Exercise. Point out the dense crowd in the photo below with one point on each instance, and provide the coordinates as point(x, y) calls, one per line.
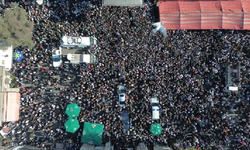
point(186, 71)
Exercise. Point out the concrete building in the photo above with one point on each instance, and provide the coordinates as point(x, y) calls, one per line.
point(11, 105)
point(9, 99)
point(6, 56)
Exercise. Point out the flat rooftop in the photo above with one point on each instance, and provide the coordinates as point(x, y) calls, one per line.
point(11, 106)
point(6, 56)
point(77, 50)
point(76, 58)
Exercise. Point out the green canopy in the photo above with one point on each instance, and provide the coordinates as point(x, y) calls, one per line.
point(72, 125)
point(92, 133)
point(73, 110)
point(156, 129)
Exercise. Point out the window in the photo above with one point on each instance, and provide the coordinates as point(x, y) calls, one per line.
point(92, 41)
point(122, 103)
point(56, 58)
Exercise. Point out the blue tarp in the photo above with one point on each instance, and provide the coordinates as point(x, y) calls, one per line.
point(125, 120)
point(18, 55)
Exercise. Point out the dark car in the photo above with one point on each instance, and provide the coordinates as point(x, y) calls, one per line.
point(125, 120)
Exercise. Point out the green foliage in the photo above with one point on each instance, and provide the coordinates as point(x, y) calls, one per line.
point(15, 29)
point(14, 83)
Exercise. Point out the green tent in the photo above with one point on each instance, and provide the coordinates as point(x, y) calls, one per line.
point(92, 133)
point(72, 125)
point(73, 110)
point(156, 129)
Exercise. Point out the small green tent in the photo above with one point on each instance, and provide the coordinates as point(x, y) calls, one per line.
point(73, 110)
point(92, 133)
point(155, 129)
point(72, 125)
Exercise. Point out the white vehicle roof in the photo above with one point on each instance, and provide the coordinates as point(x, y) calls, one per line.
point(233, 88)
point(57, 63)
point(78, 58)
point(155, 112)
point(68, 40)
point(86, 58)
point(122, 94)
point(86, 40)
point(121, 87)
point(122, 97)
point(56, 51)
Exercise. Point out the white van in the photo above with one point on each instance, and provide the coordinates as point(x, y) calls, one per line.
point(56, 57)
point(82, 58)
point(155, 112)
point(155, 108)
point(121, 90)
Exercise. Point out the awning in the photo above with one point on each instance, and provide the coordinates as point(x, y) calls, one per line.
point(73, 110)
point(194, 14)
point(122, 2)
point(72, 125)
point(92, 133)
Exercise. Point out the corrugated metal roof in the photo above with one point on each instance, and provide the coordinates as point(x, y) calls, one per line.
point(193, 14)
point(11, 106)
point(122, 2)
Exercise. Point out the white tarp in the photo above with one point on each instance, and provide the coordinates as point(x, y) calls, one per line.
point(122, 2)
point(39, 2)
point(159, 27)
point(86, 58)
point(233, 88)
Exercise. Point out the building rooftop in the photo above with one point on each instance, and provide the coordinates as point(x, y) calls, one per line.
point(10, 100)
point(11, 106)
point(6, 56)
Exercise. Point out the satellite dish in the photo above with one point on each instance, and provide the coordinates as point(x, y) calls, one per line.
point(69, 56)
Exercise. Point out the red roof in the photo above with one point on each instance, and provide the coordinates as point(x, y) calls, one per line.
point(203, 14)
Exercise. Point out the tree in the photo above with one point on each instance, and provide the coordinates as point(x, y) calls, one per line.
point(15, 28)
